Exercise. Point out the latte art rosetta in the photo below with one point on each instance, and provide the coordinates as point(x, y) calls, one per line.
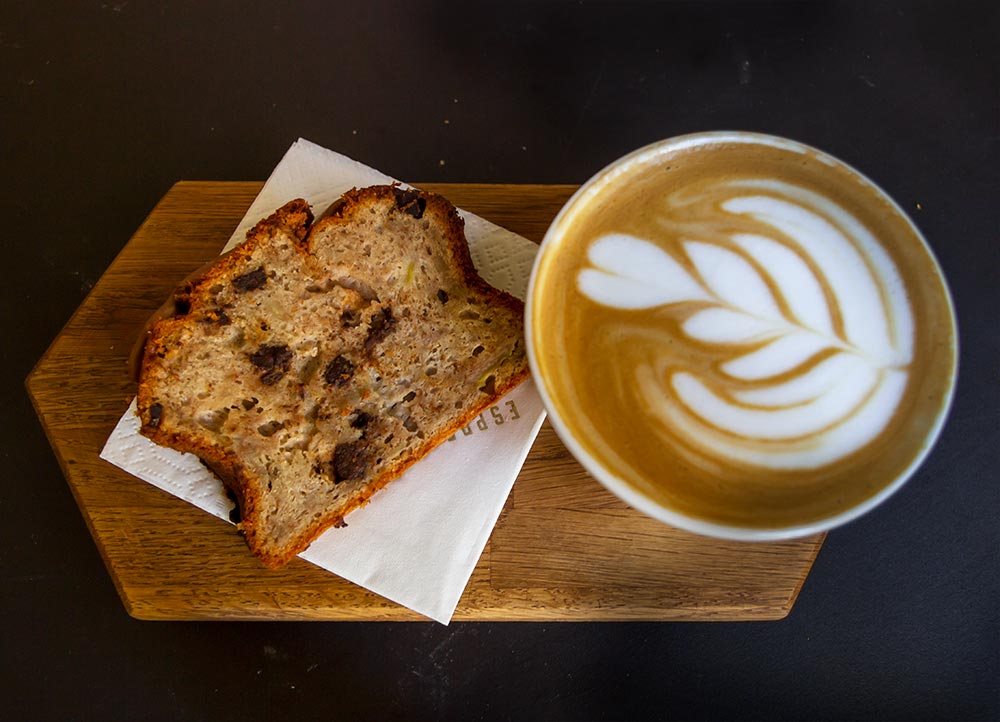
point(802, 310)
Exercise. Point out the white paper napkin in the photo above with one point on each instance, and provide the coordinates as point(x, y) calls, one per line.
point(419, 539)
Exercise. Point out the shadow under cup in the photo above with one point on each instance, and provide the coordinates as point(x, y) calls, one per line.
point(741, 336)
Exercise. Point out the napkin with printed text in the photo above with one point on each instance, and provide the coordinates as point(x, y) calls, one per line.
point(419, 539)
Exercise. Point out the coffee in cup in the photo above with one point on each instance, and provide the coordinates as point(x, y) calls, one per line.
point(741, 335)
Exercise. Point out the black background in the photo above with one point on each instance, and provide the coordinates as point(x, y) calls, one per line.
point(105, 105)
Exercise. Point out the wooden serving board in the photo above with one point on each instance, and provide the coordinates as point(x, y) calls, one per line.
point(563, 548)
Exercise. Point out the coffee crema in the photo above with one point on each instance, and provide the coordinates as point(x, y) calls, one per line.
point(744, 331)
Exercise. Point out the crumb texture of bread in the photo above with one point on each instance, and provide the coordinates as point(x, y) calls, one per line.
point(318, 360)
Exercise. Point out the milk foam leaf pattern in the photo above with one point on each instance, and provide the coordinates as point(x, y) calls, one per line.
point(847, 273)
point(632, 273)
point(806, 386)
point(750, 312)
point(777, 422)
point(724, 325)
point(811, 326)
point(733, 280)
point(785, 353)
point(795, 281)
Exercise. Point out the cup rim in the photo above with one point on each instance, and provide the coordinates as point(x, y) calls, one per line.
point(621, 488)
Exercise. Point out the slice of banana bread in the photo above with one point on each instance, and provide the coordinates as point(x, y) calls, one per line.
point(315, 362)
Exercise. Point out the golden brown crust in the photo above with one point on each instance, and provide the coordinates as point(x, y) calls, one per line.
point(351, 202)
point(305, 539)
point(193, 296)
point(294, 215)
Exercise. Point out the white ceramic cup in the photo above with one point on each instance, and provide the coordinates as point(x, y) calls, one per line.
point(558, 233)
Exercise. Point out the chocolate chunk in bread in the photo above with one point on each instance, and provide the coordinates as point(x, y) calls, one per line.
point(317, 361)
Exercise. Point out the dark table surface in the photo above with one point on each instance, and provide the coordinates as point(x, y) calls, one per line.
point(104, 105)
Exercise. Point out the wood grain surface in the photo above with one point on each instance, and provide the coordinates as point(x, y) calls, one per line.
point(563, 548)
